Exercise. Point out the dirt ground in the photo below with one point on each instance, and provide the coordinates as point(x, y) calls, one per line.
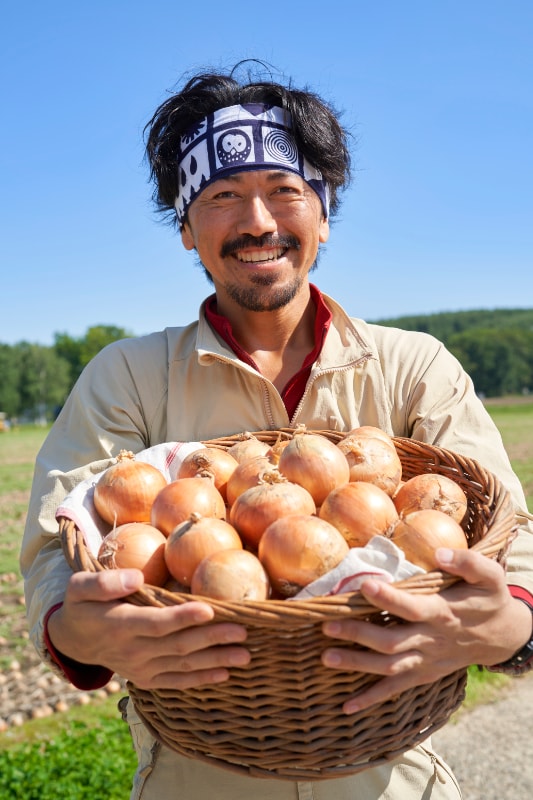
point(28, 689)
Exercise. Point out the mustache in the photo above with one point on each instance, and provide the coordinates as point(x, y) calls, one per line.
point(242, 242)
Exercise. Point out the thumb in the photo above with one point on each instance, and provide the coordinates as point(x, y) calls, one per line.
point(474, 568)
point(104, 586)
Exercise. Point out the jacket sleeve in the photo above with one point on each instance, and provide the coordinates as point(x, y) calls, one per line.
point(103, 415)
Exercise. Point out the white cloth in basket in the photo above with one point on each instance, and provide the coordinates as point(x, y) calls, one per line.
point(78, 506)
point(379, 559)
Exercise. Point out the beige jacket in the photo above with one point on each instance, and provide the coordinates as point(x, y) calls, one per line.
point(184, 384)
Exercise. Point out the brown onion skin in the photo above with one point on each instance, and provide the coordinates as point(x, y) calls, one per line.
point(191, 541)
point(372, 431)
point(182, 497)
point(247, 474)
point(138, 545)
point(248, 447)
point(231, 575)
point(420, 533)
point(254, 510)
point(126, 490)
point(299, 549)
point(431, 490)
point(360, 511)
point(277, 449)
point(314, 462)
point(216, 461)
point(372, 459)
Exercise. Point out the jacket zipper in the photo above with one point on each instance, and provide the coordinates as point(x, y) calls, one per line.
point(322, 372)
point(268, 384)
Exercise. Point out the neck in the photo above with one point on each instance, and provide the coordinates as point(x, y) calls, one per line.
point(277, 341)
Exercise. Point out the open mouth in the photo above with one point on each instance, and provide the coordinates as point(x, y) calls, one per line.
point(261, 256)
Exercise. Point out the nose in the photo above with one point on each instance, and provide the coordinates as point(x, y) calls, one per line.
point(256, 218)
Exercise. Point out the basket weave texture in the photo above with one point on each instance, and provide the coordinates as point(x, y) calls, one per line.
point(281, 716)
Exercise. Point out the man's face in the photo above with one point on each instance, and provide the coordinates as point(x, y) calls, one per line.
point(257, 234)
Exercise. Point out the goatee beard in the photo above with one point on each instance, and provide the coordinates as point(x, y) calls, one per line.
point(255, 299)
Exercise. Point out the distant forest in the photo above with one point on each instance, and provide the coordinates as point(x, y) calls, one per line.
point(494, 346)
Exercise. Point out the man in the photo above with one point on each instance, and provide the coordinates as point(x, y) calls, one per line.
point(252, 173)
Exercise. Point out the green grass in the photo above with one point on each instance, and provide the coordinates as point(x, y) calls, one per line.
point(18, 449)
point(515, 423)
point(82, 755)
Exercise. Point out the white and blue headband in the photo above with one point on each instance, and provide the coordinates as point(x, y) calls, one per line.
point(243, 137)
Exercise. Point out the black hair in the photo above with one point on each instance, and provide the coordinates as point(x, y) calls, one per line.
point(316, 128)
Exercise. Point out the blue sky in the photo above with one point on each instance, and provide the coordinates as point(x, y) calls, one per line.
point(438, 94)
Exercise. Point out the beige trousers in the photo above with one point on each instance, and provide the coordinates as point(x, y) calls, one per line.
point(420, 774)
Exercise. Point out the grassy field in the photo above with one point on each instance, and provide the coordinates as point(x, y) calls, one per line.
point(515, 422)
point(21, 748)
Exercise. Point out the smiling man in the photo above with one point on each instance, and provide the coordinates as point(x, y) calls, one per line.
point(251, 173)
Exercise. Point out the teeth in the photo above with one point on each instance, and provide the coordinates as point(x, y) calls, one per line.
point(261, 255)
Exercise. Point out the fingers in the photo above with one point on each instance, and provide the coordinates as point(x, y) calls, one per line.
point(172, 646)
point(474, 568)
point(88, 592)
point(210, 665)
point(437, 633)
point(408, 606)
point(184, 657)
point(105, 586)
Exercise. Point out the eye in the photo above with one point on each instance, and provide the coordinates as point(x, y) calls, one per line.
point(223, 194)
point(286, 189)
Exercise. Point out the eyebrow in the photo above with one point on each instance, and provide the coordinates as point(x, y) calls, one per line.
point(273, 175)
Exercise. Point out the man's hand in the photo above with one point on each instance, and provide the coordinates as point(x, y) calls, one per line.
point(476, 621)
point(175, 647)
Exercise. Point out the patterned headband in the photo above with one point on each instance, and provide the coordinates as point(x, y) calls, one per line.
point(244, 137)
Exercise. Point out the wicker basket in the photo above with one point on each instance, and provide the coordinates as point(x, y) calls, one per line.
point(281, 716)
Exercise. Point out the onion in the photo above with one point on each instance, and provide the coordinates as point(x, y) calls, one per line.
point(275, 496)
point(212, 460)
point(372, 431)
point(372, 459)
point(139, 545)
point(231, 575)
point(180, 498)
point(431, 490)
point(193, 540)
point(314, 462)
point(297, 550)
point(126, 490)
point(359, 510)
point(420, 533)
point(247, 447)
point(246, 475)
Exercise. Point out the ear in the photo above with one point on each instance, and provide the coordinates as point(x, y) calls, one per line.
point(187, 238)
point(323, 231)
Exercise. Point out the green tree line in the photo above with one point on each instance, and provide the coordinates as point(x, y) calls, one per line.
point(35, 380)
point(494, 346)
